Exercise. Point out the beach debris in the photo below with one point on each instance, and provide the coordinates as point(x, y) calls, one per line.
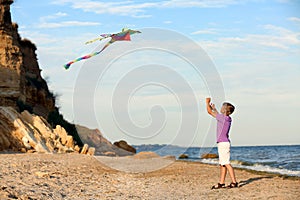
point(124, 35)
point(183, 156)
point(209, 155)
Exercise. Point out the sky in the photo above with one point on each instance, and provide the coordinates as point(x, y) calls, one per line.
point(152, 89)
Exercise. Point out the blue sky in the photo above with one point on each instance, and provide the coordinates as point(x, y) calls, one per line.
point(254, 45)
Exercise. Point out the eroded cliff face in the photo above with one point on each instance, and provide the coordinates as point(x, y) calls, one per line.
point(27, 132)
point(21, 84)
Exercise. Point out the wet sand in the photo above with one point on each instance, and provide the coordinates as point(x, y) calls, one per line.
point(74, 176)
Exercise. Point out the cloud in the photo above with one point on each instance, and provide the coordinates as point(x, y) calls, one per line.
point(199, 4)
point(205, 31)
point(168, 22)
point(281, 37)
point(294, 19)
point(284, 1)
point(53, 16)
point(274, 38)
point(135, 9)
point(118, 8)
point(66, 24)
point(44, 21)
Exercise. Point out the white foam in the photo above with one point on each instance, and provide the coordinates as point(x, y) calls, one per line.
point(256, 167)
point(264, 168)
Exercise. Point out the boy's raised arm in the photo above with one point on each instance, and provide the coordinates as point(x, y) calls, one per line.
point(211, 109)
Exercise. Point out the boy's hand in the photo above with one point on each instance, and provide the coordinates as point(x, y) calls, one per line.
point(213, 107)
point(208, 99)
point(210, 107)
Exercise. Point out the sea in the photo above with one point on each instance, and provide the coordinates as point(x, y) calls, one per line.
point(283, 159)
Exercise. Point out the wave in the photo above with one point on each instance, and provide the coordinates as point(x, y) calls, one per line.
point(283, 159)
point(255, 167)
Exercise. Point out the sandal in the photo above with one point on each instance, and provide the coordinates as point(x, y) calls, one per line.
point(233, 185)
point(218, 186)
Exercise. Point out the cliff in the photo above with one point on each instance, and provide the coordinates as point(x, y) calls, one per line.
point(21, 84)
point(27, 132)
point(29, 119)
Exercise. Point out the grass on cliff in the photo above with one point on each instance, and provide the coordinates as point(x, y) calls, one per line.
point(23, 106)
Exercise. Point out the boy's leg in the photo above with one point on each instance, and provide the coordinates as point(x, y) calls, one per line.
point(231, 172)
point(223, 172)
point(221, 184)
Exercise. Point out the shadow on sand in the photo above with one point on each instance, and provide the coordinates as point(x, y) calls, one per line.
point(250, 180)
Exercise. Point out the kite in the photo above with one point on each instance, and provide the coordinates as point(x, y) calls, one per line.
point(123, 35)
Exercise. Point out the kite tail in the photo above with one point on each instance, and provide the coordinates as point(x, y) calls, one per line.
point(67, 66)
point(94, 40)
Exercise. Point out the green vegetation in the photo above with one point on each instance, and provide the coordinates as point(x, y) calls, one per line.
point(55, 118)
point(23, 106)
point(35, 82)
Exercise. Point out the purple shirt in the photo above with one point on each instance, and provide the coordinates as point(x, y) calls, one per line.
point(223, 127)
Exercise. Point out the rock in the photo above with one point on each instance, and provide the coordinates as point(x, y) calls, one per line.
point(146, 155)
point(41, 148)
point(23, 150)
point(70, 150)
point(94, 138)
point(61, 148)
point(50, 144)
point(41, 174)
point(123, 145)
point(209, 155)
point(61, 132)
point(26, 142)
point(183, 156)
point(70, 141)
point(84, 149)
point(109, 153)
point(4, 141)
point(169, 157)
point(30, 133)
point(77, 148)
point(31, 151)
point(91, 151)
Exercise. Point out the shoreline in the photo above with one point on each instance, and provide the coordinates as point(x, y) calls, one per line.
point(258, 172)
point(77, 176)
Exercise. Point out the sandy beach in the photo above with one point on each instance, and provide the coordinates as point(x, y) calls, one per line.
point(75, 176)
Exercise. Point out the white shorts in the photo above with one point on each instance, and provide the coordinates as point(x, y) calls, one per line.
point(224, 153)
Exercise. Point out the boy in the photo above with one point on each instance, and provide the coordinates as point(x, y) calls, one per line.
point(223, 142)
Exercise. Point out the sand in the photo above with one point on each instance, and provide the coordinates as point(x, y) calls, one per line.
point(74, 176)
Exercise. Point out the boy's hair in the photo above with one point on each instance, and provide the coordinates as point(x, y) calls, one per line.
point(229, 107)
